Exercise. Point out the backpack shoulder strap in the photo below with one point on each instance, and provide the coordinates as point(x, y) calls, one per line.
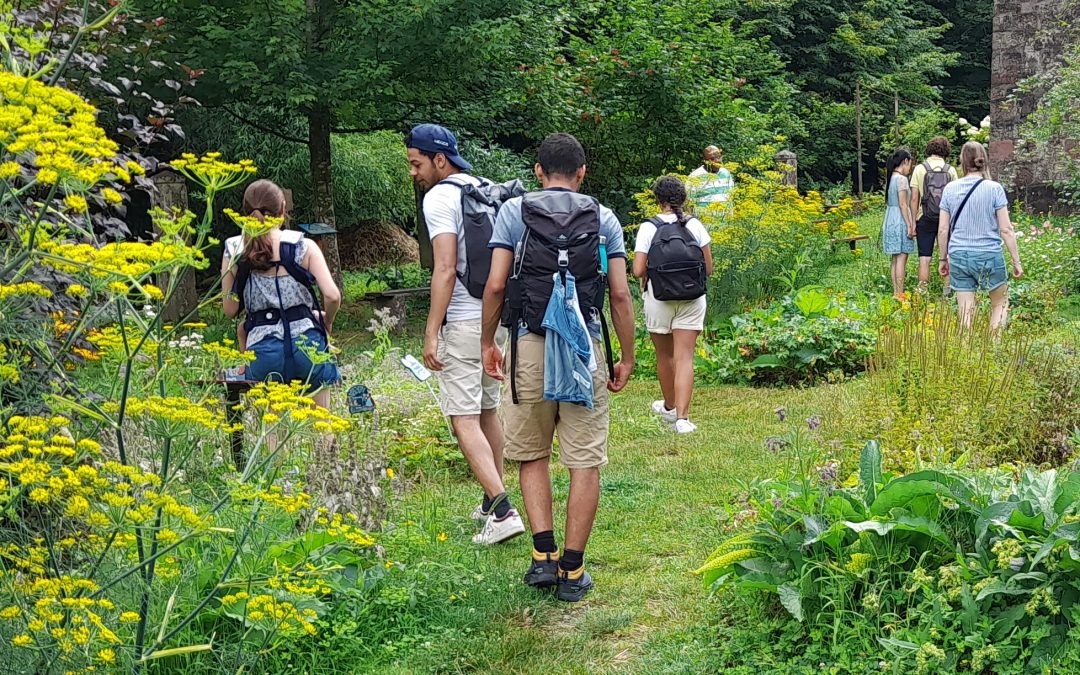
point(240, 280)
point(302, 276)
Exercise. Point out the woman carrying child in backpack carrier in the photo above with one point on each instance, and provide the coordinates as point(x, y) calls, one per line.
point(673, 258)
point(272, 276)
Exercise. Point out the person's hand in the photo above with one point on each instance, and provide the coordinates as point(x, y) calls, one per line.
point(943, 267)
point(1018, 271)
point(431, 352)
point(911, 232)
point(622, 376)
point(493, 361)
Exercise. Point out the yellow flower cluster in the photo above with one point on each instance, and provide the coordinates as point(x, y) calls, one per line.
point(211, 172)
point(57, 131)
point(253, 227)
point(275, 496)
point(271, 614)
point(171, 410)
point(109, 340)
point(226, 355)
point(300, 582)
point(175, 223)
point(127, 259)
point(288, 399)
point(336, 526)
point(26, 288)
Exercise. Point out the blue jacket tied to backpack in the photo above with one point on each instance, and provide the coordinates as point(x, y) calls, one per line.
point(569, 361)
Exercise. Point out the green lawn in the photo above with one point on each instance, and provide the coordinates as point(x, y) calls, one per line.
point(663, 501)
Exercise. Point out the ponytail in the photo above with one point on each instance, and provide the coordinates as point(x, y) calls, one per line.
point(671, 191)
point(261, 199)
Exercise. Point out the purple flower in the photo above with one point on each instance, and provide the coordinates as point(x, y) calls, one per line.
point(781, 413)
point(814, 422)
point(775, 444)
point(829, 473)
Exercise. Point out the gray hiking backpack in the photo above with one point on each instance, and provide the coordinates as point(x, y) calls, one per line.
point(933, 186)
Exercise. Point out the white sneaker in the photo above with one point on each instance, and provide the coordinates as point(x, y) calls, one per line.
point(478, 513)
point(685, 427)
point(666, 414)
point(498, 530)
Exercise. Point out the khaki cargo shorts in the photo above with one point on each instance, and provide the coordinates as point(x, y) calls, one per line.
point(464, 388)
point(531, 424)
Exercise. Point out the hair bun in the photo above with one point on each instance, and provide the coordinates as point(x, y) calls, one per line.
point(980, 162)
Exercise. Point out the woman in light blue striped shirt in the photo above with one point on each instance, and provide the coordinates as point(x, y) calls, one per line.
point(974, 222)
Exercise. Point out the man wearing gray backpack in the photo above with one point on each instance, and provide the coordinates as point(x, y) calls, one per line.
point(459, 211)
point(928, 182)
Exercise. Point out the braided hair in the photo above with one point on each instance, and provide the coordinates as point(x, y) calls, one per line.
point(670, 191)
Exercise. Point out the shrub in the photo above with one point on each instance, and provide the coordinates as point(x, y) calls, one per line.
point(801, 339)
point(933, 571)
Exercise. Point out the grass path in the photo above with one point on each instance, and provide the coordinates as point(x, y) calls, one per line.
point(661, 506)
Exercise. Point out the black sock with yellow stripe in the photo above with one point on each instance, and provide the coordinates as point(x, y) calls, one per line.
point(572, 563)
point(544, 542)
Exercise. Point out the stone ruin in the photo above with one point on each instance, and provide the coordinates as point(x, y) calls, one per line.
point(1030, 38)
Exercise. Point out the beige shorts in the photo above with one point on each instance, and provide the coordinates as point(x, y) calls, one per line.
point(464, 387)
point(664, 316)
point(531, 424)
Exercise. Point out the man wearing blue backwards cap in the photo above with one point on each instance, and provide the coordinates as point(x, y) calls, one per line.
point(452, 337)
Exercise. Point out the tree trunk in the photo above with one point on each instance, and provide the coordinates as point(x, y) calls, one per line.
point(320, 18)
point(423, 237)
point(322, 184)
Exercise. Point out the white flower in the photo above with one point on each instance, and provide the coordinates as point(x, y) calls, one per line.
point(962, 122)
point(985, 124)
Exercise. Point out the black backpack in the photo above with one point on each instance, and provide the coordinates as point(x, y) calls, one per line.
point(562, 233)
point(933, 186)
point(676, 263)
point(479, 206)
point(285, 315)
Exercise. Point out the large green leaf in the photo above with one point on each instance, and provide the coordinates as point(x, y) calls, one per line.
point(1068, 493)
point(870, 471)
point(766, 361)
point(811, 300)
point(1040, 489)
point(791, 599)
point(902, 492)
point(999, 587)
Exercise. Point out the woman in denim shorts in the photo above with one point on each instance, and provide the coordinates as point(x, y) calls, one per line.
point(974, 222)
point(285, 327)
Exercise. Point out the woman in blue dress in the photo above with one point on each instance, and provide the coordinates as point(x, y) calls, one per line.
point(898, 231)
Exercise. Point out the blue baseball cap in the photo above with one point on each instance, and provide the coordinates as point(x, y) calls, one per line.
point(435, 138)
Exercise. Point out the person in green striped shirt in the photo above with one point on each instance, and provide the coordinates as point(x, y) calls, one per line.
point(711, 184)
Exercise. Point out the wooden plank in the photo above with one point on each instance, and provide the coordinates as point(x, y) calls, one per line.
point(397, 292)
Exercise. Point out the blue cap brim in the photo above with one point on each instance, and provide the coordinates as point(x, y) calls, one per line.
point(458, 161)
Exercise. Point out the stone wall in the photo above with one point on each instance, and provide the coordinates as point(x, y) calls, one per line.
point(1030, 37)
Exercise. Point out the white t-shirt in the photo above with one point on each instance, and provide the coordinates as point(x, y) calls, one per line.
point(646, 232)
point(442, 213)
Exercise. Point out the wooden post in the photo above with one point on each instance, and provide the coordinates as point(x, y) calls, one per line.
point(790, 167)
point(171, 193)
point(858, 139)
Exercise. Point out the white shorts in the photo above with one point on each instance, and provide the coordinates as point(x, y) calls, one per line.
point(664, 316)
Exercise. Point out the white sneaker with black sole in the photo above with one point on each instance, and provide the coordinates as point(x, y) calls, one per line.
point(668, 415)
point(497, 530)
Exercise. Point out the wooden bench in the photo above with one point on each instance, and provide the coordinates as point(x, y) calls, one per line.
point(395, 298)
point(850, 241)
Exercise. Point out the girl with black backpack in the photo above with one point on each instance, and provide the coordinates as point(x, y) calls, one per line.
point(673, 258)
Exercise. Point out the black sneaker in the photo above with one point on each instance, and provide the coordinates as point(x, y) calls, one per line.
point(543, 573)
point(573, 590)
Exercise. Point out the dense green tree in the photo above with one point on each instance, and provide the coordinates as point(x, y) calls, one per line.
point(303, 71)
point(646, 86)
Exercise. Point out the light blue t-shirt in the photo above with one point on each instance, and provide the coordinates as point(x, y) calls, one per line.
point(976, 229)
point(509, 229)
